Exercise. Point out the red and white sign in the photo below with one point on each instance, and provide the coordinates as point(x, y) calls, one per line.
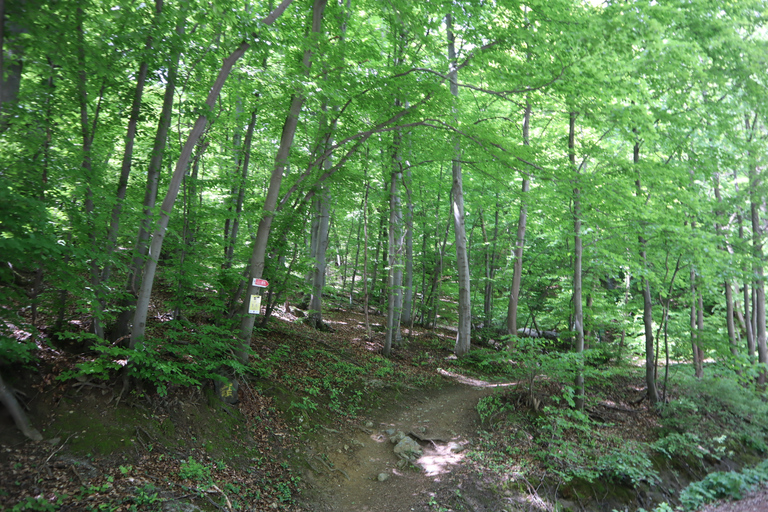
point(260, 283)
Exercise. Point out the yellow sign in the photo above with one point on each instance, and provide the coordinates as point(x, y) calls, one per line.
point(254, 307)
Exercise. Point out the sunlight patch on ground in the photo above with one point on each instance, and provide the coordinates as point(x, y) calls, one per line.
point(474, 382)
point(438, 459)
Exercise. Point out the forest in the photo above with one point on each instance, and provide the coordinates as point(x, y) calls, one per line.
point(567, 186)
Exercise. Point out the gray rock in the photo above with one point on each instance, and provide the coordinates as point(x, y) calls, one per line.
point(408, 449)
point(390, 431)
point(381, 477)
point(397, 437)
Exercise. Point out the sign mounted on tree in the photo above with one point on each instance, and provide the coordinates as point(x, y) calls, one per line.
point(254, 306)
point(260, 283)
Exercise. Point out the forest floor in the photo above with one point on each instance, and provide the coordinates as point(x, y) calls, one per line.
point(368, 476)
point(314, 435)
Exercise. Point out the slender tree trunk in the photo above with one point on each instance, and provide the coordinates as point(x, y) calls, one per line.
point(578, 313)
point(407, 316)
point(357, 260)
point(256, 263)
point(87, 132)
point(395, 247)
point(650, 362)
point(142, 303)
point(231, 239)
point(729, 311)
point(130, 139)
point(758, 285)
point(695, 331)
point(457, 193)
point(365, 256)
point(320, 205)
point(746, 319)
point(517, 269)
point(491, 270)
point(122, 325)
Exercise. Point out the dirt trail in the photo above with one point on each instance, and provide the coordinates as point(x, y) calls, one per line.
point(445, 420)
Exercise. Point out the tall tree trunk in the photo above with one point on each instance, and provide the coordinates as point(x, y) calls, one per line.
point(729, 311)
point(517, 271)
point(365, 255)
point(124, 318)
point(130, 139)
point(491, 270)
point(150, 267)
point(697, 368)
point(87, 131)
point(650, 362)
point(407, 316)
point(256, 263)
point(758, 286)
point(745, 320)
point(320, 204)
point(457, 193)
point(395, 246)
point(231, 239)
point(578, 313)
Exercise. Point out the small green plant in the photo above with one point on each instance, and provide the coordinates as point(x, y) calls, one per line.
point(194, 470)
point(146, 495)
point(490, 407)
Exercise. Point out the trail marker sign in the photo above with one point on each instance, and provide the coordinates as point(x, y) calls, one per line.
point(254, 306)
point(260, 283)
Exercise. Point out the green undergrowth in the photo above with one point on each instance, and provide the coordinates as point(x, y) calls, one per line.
point(534, 429)
point(323, 383)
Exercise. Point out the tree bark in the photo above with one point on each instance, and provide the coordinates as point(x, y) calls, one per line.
point(87, 132)
point(320, 205)
point(457, 193)
point(758, 286)
point(729, 311)
point(407, 316)
point(395, 251)
point(256, 263)
point(650, 362)
point(150, 267)
point(517, 271)
point(124, 318)
point(578, 313)
point(231, 239)
point(130, 139)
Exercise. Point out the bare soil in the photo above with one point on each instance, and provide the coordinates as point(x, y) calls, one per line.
point(344, 469)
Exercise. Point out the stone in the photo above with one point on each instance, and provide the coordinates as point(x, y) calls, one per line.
point(369, 424)
point(397, 437)
point(390, 431)
point(408, 449)
point(381, 477)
